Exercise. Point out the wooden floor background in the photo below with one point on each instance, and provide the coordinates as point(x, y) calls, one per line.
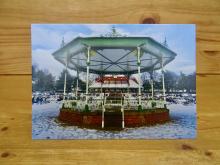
point(16, 145)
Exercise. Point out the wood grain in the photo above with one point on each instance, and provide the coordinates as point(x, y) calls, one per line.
point(16, 145)
point(15, 126)
point(15, 47)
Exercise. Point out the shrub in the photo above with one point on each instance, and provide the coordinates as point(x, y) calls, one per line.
point(139, 108)
point(153, 104)
point(74, 104)
point(86, 108)
point(165, 106)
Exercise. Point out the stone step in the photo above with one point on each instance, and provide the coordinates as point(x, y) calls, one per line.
point(113, 119)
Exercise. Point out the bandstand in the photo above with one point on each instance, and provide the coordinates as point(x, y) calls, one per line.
point(115, 98)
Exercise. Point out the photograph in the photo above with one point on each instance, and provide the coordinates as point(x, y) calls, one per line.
point(109, 82)
point(113, 81)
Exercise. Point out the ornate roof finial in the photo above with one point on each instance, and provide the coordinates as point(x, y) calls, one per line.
point(62, 43)
point(165, 42)
point(113, 33)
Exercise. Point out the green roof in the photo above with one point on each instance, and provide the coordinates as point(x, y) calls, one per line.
point(114, 55)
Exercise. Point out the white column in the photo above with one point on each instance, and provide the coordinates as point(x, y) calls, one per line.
point(77, 83)
point(64, 88)
point(87, 74)
point(128, 92)
point(162, 70)
point(151, 77)
point(128, 76)
point(101, 77)
point(139, 75)
point(152, 85)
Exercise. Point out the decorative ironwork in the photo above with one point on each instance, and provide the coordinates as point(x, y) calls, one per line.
point(113, 33)
point(62, 43)
point(165, 42)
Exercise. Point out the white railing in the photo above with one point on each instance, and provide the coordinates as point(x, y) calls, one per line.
point(70, 103)
point(151, 104)
point(128, 103)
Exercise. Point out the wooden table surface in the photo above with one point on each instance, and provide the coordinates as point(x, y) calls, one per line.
point(16, 144)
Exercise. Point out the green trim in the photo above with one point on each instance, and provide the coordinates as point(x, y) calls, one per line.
point(114, 42)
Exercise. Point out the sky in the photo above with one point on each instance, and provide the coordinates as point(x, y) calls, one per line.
point(47, 38)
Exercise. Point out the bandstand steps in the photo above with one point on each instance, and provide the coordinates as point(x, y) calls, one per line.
point(113, 119)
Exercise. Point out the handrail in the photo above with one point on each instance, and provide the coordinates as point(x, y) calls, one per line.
point(103, 116)
point(122, 113)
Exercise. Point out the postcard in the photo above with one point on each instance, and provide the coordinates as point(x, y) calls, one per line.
point(113, 81)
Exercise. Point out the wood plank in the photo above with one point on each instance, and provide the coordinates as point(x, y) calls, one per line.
point(16, 17)
point(142, 157)
point(17, 145)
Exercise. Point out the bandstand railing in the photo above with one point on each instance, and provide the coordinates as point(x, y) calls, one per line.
point(97, 103)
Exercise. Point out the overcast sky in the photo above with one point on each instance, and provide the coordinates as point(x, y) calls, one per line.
point(47, 38)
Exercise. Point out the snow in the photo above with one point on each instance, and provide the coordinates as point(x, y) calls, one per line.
point(46, 126)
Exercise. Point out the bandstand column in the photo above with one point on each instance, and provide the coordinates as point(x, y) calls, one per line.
point(128, 88)
point(139, 75)
point(152, 85)
point(77, 83)
point(101, 82)
point(87, 74)
point(64, 86)
point(162, 70)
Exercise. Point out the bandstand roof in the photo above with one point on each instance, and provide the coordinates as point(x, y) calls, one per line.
point(114, 55)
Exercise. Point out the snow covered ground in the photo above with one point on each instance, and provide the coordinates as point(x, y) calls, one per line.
point(46, 126)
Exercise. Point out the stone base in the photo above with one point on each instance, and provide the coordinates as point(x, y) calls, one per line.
point(114, 119)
